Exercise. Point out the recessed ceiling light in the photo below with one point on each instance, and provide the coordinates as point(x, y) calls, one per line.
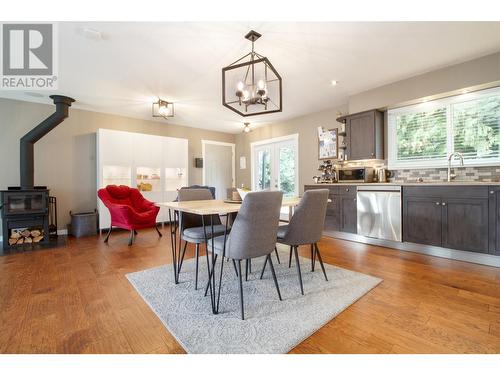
point(334, 82)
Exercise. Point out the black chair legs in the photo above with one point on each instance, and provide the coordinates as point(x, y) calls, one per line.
point(320, 260)
point(197, 263)
point(131, 239)
point(241, 290)
point(277, 255)
point(274, 275)
point(109, 232)
point(158, 231)
point(290, 258)
point(298, 268)
point(313, 254)
point(263, 268)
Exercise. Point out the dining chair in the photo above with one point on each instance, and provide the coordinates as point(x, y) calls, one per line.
point(191, 225)
point(305, 228)
point(253, 234)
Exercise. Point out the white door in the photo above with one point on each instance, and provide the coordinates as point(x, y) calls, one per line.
point(275, 166)
point(218, 167)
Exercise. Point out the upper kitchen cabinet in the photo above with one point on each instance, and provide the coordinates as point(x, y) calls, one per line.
point(364, 135)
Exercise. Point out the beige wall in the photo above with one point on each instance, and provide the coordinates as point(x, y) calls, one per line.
point(65, 159)
point(305, 126)
point(472, 73)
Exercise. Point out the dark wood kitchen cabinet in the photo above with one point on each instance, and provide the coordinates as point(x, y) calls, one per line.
point(454, 217)
point(494, 219)
point(422, 220)
point(341, 212)
point(348, 214)
point(348, 209)
point(364, 135)
point(465, 224)
point(332, 219)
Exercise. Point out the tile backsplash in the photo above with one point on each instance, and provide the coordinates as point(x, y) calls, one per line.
point(485, 174)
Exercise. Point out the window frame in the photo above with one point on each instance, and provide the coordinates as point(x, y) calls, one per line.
point(447, 102)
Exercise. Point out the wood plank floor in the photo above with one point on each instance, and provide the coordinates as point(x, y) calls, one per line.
point(76, 299)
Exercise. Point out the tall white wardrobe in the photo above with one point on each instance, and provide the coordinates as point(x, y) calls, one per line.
point(157, 165)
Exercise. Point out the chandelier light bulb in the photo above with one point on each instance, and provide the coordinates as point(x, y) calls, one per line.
point(246, 95)
point(163, 110)
point(240, 86)
point(261, 85)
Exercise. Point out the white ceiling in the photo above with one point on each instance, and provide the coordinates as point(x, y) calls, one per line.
point(135, 63)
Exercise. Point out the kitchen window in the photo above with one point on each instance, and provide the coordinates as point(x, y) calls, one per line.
point(423, 135)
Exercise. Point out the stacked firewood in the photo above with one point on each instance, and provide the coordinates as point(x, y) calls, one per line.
point(25, 236)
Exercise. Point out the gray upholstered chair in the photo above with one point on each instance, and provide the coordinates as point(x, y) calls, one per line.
point(191, 225)
point(253, 233)
point(305, 227)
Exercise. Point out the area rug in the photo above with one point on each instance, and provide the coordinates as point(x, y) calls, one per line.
point(270, 325)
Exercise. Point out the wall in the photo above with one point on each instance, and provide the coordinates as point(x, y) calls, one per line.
point(305, 126)
point(468, 74)
point(65, 159)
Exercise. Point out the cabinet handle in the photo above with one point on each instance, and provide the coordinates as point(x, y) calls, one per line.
point(437, 203)
point(492, 192)
point(444, 203)
point(346, 189)
point(354, 199)
point(373, 154)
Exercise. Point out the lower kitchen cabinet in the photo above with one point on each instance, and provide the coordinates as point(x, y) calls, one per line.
point(460, 217)
point(341, 212)
point(332, 219)
point(451, 217)
point(348, 214)
point(494, 220)
point(465, 224)
point(422, 220)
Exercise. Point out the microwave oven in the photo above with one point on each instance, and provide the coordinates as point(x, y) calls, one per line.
point(361, 174)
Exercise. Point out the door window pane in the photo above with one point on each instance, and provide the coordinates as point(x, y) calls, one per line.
point(287, 171)
point(263, 170)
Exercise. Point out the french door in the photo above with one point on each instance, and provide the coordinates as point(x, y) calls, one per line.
point(275, 165)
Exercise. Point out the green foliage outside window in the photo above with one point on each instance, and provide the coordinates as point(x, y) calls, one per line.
point(474, 125)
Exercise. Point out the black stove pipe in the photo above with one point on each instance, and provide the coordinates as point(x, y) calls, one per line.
point(27, 172)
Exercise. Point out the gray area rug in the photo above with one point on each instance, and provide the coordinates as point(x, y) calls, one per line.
point(270, 325)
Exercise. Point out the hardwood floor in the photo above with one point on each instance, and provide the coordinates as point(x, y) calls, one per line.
point(76, 299)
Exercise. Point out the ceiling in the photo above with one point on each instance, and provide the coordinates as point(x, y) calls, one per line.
point(135, 63)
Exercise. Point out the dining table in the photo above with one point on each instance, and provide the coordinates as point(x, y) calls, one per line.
point(206, 209)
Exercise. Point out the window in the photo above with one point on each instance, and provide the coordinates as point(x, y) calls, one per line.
point(423, 135)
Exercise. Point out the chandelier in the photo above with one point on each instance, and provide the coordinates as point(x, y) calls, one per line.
point(251, 86)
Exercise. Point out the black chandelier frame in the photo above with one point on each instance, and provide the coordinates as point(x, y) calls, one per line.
point(255, 58)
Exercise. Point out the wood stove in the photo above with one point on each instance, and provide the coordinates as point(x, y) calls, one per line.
point(25, 216)
point(26, 210)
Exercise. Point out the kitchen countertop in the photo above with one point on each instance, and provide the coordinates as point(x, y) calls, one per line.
point(434, 183)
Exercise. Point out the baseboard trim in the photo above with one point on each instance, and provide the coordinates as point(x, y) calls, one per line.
point(441, 252)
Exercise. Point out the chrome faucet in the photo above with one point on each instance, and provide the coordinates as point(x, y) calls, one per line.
point(451, 176)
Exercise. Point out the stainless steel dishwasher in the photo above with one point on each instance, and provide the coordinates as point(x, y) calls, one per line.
point(379, 211)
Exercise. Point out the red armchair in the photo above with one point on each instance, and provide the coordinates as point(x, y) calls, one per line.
point(129, 210)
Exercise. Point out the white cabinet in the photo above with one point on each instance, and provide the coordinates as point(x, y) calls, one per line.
point(156, 165)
